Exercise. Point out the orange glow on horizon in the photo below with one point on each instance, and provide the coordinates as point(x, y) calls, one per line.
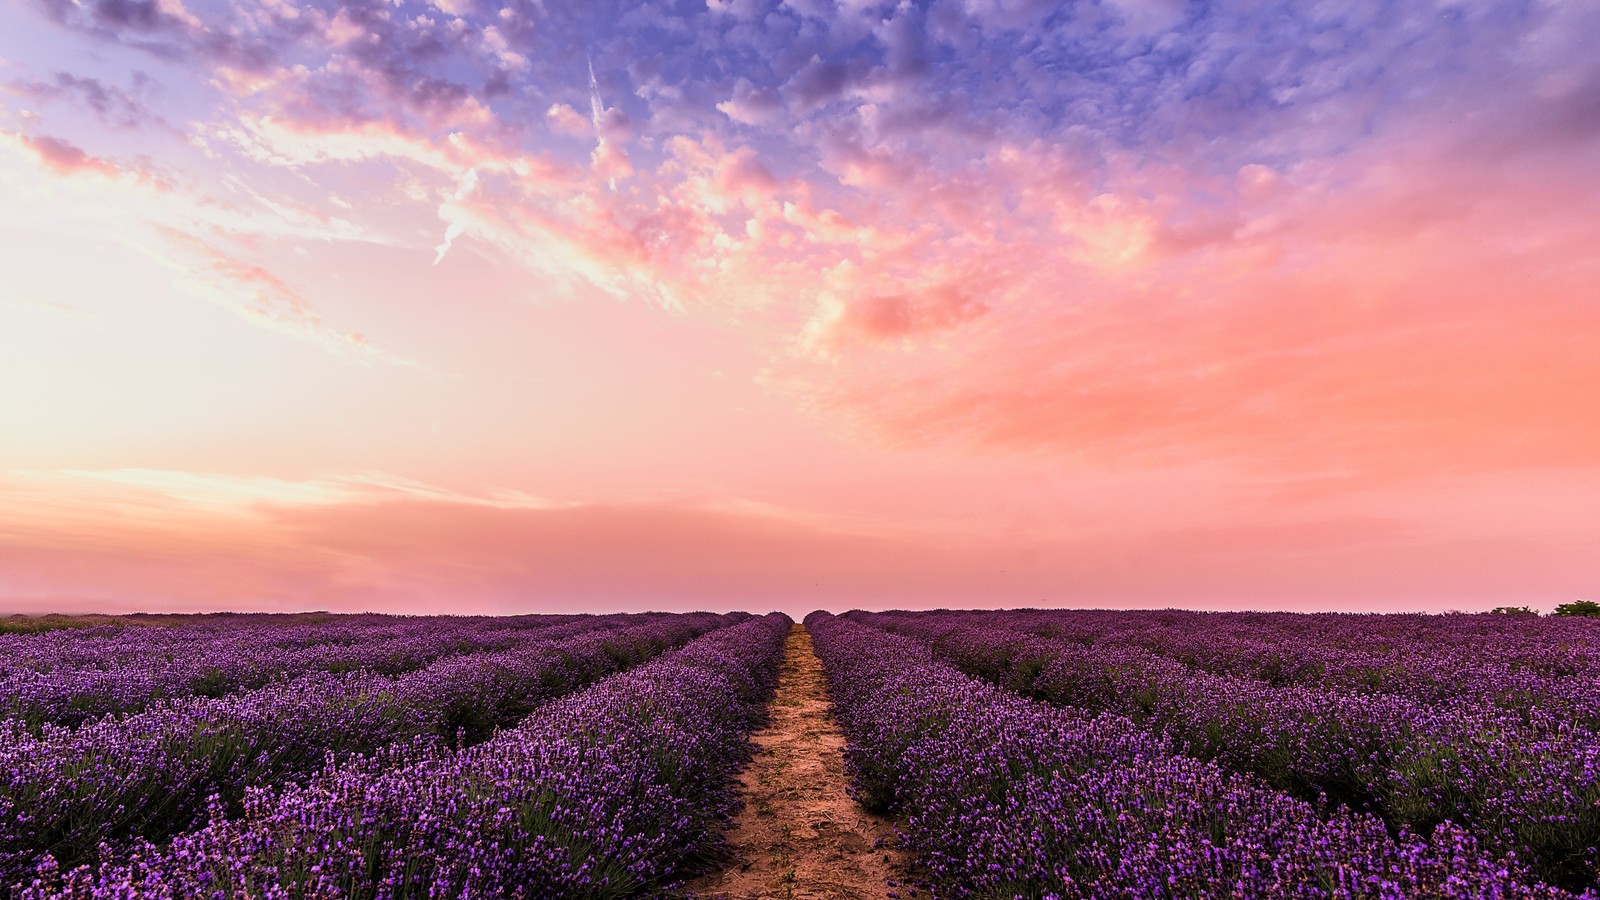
point(292, 322)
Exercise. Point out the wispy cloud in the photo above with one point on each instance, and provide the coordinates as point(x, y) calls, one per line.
point(183, 228)
point(112, 105)
point(53, 306)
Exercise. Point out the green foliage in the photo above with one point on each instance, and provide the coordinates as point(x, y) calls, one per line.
point(1585, 608)
point(1514, 611)
point(211, 683)
point(20, 624)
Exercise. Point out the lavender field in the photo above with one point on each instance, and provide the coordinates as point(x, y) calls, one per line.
point(1027, 753)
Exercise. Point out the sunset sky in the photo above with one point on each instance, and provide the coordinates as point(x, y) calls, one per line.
point(526, 305)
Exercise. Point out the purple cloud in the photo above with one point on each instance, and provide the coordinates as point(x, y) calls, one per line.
point(110, 104)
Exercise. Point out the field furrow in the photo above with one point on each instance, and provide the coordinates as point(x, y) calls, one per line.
point(799, 835)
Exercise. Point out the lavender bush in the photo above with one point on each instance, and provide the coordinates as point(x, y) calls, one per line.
point(1001, 796)
point(149, 775)
point(1522, 781)
point(70, 677)
point(620, 790)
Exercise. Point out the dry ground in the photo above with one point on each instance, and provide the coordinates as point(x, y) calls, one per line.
point(800, 836)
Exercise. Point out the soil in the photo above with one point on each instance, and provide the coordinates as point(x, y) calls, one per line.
point(800, 836)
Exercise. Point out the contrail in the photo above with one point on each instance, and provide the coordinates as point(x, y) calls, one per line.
point(596, 109)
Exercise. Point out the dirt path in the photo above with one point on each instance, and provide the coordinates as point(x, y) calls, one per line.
point(800, 836)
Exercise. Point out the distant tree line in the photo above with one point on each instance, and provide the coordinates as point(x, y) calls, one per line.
point(1586, 608)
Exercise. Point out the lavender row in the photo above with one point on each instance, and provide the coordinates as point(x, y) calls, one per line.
point(1003, 797)
point(111, 646)
point(1515, 661)
point(1522, 782)
point(149, 775)
point(78, 678)
point(620, 790)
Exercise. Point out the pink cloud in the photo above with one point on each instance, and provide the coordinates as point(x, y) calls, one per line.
point(65, 158)
point(1404, 308)
point(565, 120)
point(751, 105)
point(257, 294)
point(878, 317)
point(611, 163)
point(742, 174)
